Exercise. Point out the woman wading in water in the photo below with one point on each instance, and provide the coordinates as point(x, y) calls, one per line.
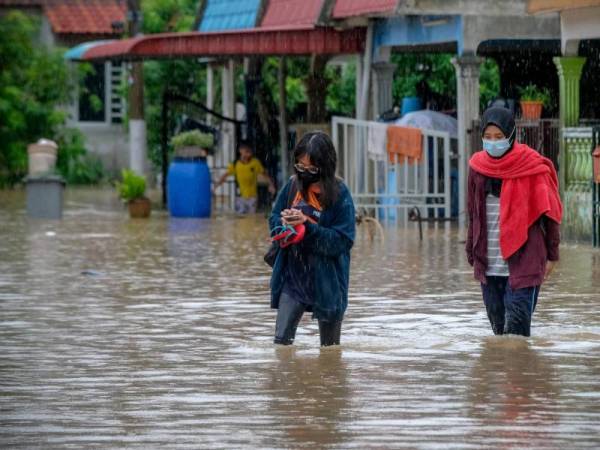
point(514, 223)
point(314, 220)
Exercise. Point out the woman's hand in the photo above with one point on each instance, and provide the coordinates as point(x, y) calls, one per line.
point(293, 217)
point(549, 268)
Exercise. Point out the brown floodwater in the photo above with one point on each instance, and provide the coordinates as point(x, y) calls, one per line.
point(118, 333)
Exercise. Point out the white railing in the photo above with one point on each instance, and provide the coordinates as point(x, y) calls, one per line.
point(388, 189)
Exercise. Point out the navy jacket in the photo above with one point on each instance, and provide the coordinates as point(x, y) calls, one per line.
point(330, 241)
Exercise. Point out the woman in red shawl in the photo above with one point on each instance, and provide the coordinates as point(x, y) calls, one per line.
point(514, 223)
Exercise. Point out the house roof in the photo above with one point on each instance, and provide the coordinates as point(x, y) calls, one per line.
point(221, 15)
point(85, 16)
point(350, 8)
point(94, 17)
point(281, 13)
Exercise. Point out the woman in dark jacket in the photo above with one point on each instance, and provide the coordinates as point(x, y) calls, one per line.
point(514, 215)
point(312, 274)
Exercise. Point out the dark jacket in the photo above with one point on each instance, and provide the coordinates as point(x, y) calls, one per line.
point(330, 241)
point(528, 264)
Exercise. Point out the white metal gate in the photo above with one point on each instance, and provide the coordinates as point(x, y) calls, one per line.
point(389, 189)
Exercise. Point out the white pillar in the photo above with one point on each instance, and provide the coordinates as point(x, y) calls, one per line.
point(383, 80)
point(359, 74)
point(363, 110)
point(467, 105)
point(138, 161)
point(228, 109)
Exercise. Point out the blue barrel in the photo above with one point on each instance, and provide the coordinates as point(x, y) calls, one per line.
point(188, 188)
point(410, 104)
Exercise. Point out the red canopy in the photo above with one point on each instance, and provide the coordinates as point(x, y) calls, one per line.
point(256, 41)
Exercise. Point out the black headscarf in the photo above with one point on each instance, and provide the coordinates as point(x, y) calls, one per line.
point(501, 117)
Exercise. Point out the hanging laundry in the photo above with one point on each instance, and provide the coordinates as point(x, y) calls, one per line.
point(376, 140)
point(406, 142)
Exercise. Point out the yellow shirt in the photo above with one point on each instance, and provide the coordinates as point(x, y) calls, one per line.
point(246, 175)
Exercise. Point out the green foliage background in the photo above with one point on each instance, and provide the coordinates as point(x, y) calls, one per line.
point(34, 84)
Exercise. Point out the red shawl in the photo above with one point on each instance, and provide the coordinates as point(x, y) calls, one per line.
point(529, 189)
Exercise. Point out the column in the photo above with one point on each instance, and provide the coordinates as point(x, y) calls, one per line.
point(467, 105)
point(569, 73)
point(383, 78)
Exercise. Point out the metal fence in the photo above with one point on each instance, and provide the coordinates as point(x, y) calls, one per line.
point(542, 135)
point(389, 189)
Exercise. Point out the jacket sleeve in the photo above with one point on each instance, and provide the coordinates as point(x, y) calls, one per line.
point(280, 205)
point(470, 213)
point(338, 238)
point(552, 238)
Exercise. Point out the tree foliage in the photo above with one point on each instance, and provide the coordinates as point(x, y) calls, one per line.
point(34, 87)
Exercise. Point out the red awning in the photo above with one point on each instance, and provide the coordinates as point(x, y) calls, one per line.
point(255, 41)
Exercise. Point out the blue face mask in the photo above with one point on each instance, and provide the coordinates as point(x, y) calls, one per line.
point(497, 148)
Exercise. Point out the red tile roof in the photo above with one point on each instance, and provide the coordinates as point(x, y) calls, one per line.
point(284, 13)
point(84, 16)
point(350, 8)
point(77, 16)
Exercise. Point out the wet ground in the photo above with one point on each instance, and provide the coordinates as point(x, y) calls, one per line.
point(157, 334)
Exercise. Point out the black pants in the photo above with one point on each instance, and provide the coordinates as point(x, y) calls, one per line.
point(290, 312)
point(509, 310)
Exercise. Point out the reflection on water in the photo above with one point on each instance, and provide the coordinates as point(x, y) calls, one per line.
point(143, 334)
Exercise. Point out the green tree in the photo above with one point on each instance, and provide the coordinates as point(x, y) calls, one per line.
point(34, 87)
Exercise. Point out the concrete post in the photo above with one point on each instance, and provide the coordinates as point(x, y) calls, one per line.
point(569, 73)
point(383, 77)
point(467, 104)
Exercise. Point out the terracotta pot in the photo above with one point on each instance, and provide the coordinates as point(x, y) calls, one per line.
point(531, 110)
point(139, 208)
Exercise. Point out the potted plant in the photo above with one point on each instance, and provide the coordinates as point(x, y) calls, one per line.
point(533, 99)
point(132, 190)
point(193, 144)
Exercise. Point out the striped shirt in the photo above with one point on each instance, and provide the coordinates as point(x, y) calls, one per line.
point(497, 267)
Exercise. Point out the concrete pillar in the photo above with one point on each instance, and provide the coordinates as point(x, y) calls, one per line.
point(359, 74)
point(467, 105)
point(383, 78)
point(228, 109)
point(569, 74)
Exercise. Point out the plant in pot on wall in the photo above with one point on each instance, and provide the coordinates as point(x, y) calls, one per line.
point(533, 99)
point(132, 190)
point(193, 144)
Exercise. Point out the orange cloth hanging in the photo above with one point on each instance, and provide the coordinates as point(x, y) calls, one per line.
point(406, 142)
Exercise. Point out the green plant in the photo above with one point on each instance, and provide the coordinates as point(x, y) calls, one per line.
point(194, 138)
point(531, 93)
point(132, 187)
point(74, 163)
point(34, 83)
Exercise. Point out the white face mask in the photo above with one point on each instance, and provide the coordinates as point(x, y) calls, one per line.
point(497, 148)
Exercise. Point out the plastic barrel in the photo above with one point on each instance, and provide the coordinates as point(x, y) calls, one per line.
point(410, 104)
point(188, 188)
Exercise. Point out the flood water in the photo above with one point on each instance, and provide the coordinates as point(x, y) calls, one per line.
point(158, 334)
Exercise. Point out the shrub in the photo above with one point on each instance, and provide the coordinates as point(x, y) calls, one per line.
point(132, 187)
point(194, 138)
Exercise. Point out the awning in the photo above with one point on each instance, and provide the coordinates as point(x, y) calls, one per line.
point(76, 53)
point(255, 41)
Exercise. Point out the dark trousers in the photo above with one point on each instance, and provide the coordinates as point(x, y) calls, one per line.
point(509, 310)
point(290, 312)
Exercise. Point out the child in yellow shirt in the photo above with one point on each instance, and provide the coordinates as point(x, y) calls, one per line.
point(247, 170)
